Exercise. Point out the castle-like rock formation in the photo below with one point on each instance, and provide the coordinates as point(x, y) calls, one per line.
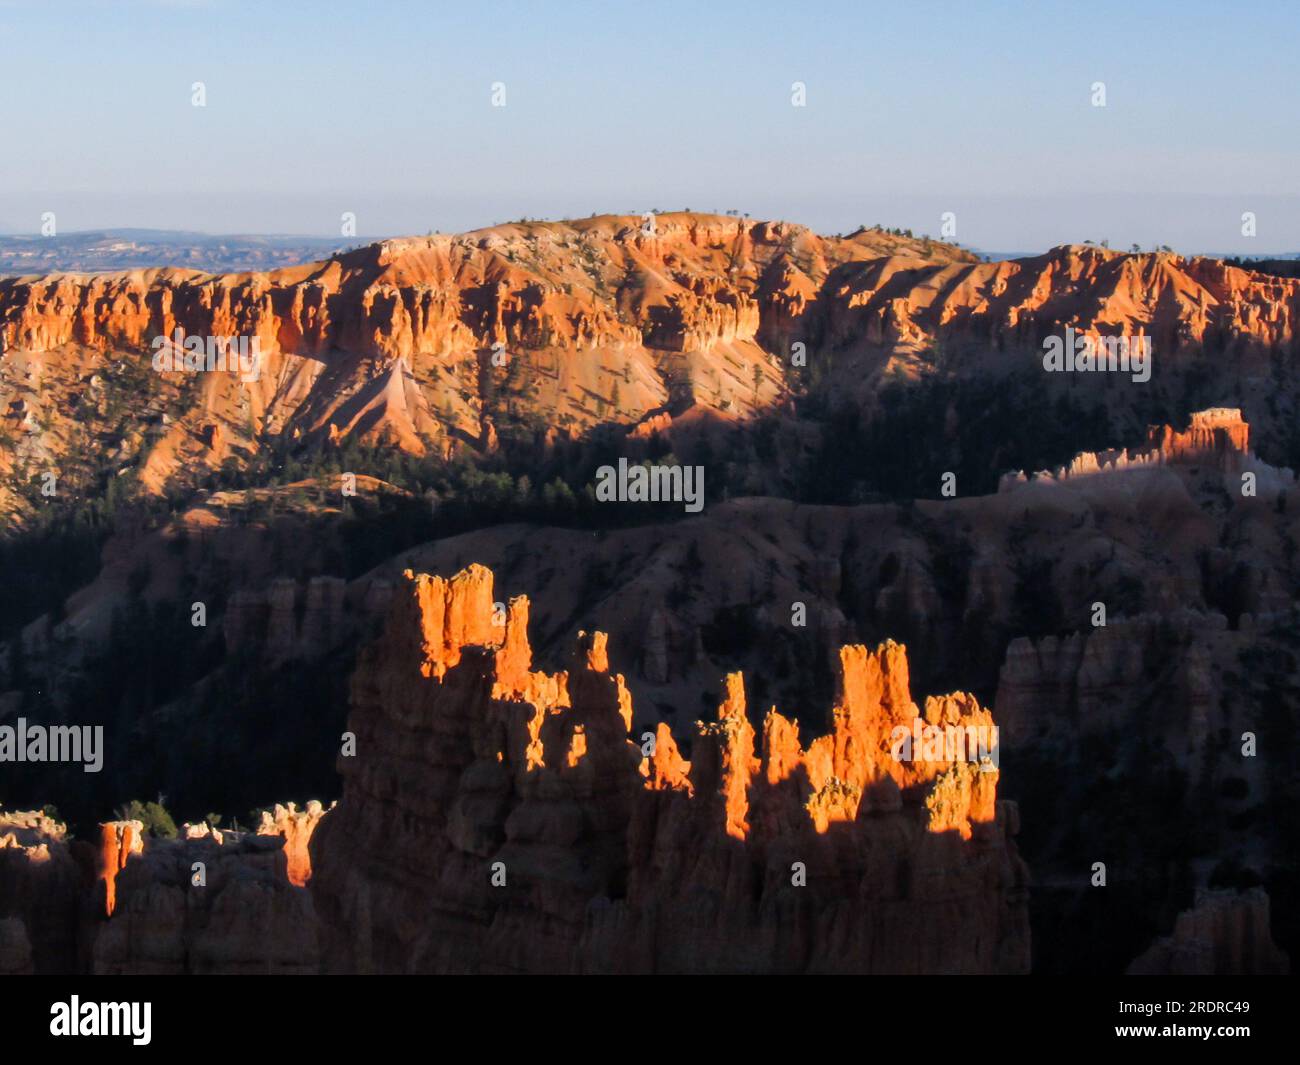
point(1217, 439)
point(128, 902)
point(41, 886)
point(499, 819)
point(208, 902)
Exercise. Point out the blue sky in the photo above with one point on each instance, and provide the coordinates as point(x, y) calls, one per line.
point(913, 109)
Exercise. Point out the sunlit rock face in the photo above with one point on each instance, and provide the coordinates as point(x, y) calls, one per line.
point(129, 902)
point(500, 819)
point(428, 345)
point(1216, 439)
point(210, 901)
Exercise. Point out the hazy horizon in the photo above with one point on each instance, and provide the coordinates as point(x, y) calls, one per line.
point(1003, 251)
point(387, 113)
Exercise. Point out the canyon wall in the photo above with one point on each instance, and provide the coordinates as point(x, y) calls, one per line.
point(1059, 689)
point(42, 882)
point(1216, 439)
point(695, 282)
point(1224, 934)
point(206, 902)
point(497, 819)
point(429, 345)
point(210, 901)
point(287, 621)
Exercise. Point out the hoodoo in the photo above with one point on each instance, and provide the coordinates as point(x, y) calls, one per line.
point(498, 819)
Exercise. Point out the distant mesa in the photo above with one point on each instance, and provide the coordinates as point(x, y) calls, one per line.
point(431, 345)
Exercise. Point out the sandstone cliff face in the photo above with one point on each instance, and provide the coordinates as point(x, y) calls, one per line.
point(211, 902)
point(696, 282)
point(422, 297)
point(1182, 305)
point(295, 828)
point(1096, 679)
point(402, 343)
point(429, 344)
point(1217, 439)
point(1224, 934)
point(132, 903)
point(286, 621)
point(42, 887)
point(1099, 680)
point(500, 819)
point(1217, 431)
point(119, 842)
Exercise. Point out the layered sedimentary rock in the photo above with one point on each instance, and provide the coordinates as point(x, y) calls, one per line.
point(1216, 431)
point(496, 818)
point(1224, 934)
point(1152, 669)
point(1217, 438)
point(1176, 301)
point(402, 342)
point(420, 296)
point(287, 621)
point(429, 345)
point(695, 282)
point(209, 902)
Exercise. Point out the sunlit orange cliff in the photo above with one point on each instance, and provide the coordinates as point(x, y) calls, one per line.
point(499, 819)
